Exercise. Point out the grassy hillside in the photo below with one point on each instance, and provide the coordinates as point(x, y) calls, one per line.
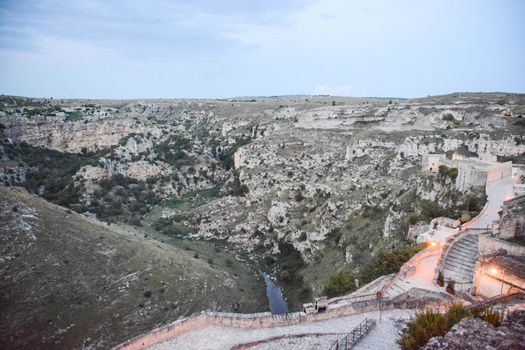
point(70, 282)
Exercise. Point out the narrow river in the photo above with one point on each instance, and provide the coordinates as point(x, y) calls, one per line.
point(275, 297)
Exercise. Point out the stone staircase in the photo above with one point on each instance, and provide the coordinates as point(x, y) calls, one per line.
point(458, 261)
point(396, 288)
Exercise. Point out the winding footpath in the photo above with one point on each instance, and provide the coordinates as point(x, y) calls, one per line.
point(497, 193)
point(382, 336)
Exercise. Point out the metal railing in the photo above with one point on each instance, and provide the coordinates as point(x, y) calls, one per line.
point(349, 340)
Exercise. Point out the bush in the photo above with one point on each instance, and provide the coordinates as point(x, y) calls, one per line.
point(451, 284)
point(448, 117)
point(298, 197)
point(384, 263)
point(428, 324)
point(236, 188)
point(450, 172)
point(226, 155)
point(441, 277)
point(339, 283)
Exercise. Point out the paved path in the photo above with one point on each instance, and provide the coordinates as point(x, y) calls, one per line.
point(424, 275)
point(497, 193)
point(383, 336)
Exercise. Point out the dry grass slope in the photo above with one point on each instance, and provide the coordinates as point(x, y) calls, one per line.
point(73, 282)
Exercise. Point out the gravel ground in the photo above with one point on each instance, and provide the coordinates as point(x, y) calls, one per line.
point(383, 336)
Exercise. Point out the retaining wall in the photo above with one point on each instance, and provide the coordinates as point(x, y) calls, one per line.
point(267, 320)
point(488, 245)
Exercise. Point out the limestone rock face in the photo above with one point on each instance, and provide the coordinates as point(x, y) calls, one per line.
point(474, 334)
point(307, 166)
point(277, 214)
point(57, 134)
point(138, 170)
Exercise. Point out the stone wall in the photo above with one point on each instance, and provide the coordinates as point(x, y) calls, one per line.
point(488, 245)
point(490, 281)
point(469, 176)
point(499, 171)
point(410, 300)
point(471, 171)
point(431, 162)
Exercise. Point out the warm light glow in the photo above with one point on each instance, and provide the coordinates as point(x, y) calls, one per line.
point(433, 244)
point(494, 270)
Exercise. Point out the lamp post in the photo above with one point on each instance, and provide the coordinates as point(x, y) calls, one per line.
point(502, 278)
point(495, 271)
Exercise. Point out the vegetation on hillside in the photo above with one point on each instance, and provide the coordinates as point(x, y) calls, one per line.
point(452, 173)
point(384, 263)
point(50, 173)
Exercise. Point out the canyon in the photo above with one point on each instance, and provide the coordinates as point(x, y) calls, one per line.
point(301, 188)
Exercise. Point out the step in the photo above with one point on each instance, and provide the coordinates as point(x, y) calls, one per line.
point(459, 276)
point(465, 252)
point(470, 239)
point(460, 261)
point(394, 290)
point(458, 265)
point(468, 243)
point(458, 270)
point(465, 246)
point(461, 257)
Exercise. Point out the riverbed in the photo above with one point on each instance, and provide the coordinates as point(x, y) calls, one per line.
point(275, 297)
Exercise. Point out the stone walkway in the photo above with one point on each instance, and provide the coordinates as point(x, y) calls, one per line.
point(383, 336)
point(497, 193)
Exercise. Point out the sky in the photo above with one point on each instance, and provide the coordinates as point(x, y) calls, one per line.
point(216, 49)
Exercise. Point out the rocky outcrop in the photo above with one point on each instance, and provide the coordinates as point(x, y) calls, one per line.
point(474, 334)
point(60, 135)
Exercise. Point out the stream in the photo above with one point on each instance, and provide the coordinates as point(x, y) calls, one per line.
point(275, 297)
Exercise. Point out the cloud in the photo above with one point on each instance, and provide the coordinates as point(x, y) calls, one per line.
point(340, 90)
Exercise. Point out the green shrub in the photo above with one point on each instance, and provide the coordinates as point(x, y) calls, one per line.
point(441, 277)
point(428, 324)
point(450, 172)
point(451, 284)
point(384, 263)
point(340, 283)
point(226, 155)
point(236, 187)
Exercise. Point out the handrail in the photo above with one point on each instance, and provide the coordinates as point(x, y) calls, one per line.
point(353, 298)
point(349, 340)
point(505, 298)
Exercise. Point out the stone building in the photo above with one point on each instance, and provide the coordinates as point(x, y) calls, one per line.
point(471, 171)
point(512, 222)
point(499, 274)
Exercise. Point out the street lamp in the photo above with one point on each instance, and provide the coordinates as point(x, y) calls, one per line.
point(502, 278)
